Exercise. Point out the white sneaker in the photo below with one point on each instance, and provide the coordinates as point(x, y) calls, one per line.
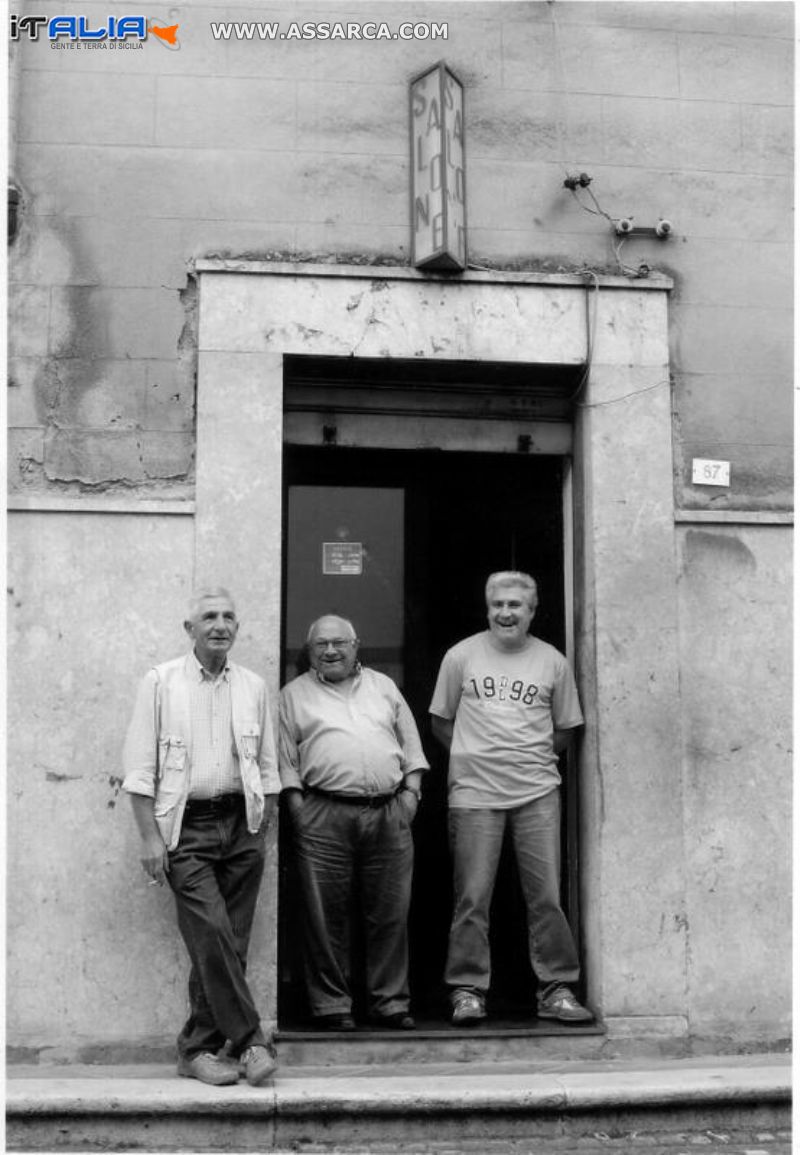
point(468, 1007)
point(257, 1064)
point(558, 1002)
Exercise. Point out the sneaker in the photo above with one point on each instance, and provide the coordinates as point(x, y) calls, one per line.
point(258, 1064)
point(558, 1002)
point(208, 1069)
point(468, 1007)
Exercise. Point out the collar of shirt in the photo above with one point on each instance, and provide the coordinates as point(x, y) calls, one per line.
point(202, 673)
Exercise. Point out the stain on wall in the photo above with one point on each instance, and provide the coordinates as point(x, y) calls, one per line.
point(681, 110)
point(725, 549)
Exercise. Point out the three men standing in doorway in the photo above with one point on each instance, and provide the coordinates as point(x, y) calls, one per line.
point(504, 706)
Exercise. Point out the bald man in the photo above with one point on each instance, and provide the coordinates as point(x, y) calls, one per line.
point(350, 764)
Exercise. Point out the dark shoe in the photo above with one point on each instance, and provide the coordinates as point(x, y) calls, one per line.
point(400, 1021)
point(558, 1002)
point(208, 1069)
point(469, 1008)
point(258, 1064)
point(334, 1022)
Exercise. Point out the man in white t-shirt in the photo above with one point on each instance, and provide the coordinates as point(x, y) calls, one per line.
point(505, 705)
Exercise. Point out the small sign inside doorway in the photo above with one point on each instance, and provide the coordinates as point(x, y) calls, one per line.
point(342, 557)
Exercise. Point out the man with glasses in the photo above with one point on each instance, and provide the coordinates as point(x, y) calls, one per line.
point(351, 761)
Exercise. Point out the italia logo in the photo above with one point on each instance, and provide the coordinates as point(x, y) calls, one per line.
point(81, 29)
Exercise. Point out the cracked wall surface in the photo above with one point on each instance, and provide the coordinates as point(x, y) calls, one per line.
point(737, 697)
point(129, 169)
point(92, 601)
point(101, 387)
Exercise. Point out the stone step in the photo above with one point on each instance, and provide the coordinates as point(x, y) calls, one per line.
point(349, 1108)
point(438, 1043)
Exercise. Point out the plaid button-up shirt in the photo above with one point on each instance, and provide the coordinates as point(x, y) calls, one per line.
point(215, 762)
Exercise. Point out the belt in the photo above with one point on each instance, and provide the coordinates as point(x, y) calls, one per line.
point(208, 807)
point(373, 801)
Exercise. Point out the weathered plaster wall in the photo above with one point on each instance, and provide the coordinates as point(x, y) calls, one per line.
point(132, 168)
point(132, 164)
point(734, 593)
point(93, 600)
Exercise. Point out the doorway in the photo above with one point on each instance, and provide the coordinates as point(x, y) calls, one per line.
point(402, 542)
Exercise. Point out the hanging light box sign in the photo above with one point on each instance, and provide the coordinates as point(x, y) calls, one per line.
point(438, 186)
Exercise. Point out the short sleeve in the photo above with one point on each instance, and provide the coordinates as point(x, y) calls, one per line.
point(566, 703)
point(447, 691)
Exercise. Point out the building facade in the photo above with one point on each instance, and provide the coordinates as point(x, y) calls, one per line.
point(224, 366)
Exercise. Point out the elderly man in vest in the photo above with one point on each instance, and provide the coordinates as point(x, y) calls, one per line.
point(200, 769)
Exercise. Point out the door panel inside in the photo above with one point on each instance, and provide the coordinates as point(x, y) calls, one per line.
point(344, 552)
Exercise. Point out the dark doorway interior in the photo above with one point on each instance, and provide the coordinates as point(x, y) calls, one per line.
point(459, 517)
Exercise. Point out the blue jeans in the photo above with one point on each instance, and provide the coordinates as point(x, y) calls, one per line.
point(339, 846)
point(215, 873)
point(476, 840)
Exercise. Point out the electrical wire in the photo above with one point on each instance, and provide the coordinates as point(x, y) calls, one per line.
point(562, 87)
point(591, 333)
point(627, 270)
point(764, 444)
point(591, 329)
point(599, 211)
point(562, 125)
point(599, 208)
point(623, 396)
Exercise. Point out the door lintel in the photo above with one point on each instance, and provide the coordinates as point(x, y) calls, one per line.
point(654, 282)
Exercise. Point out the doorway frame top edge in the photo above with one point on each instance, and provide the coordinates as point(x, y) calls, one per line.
point(656, 282)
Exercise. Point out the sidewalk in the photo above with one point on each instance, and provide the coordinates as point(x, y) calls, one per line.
point(149, 1108)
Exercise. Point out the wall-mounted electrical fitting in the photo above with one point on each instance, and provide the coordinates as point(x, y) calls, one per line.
point(582, 180)
point(624, 227)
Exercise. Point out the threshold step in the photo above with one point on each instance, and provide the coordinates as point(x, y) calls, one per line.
point(439, 1043)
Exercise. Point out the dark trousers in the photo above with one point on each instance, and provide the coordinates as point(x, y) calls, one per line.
point(340, 846)
point(215, 873)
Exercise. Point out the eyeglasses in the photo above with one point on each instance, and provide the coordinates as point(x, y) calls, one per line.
point(321, 645)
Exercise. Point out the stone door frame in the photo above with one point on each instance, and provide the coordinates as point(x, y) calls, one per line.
point(252, 314)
